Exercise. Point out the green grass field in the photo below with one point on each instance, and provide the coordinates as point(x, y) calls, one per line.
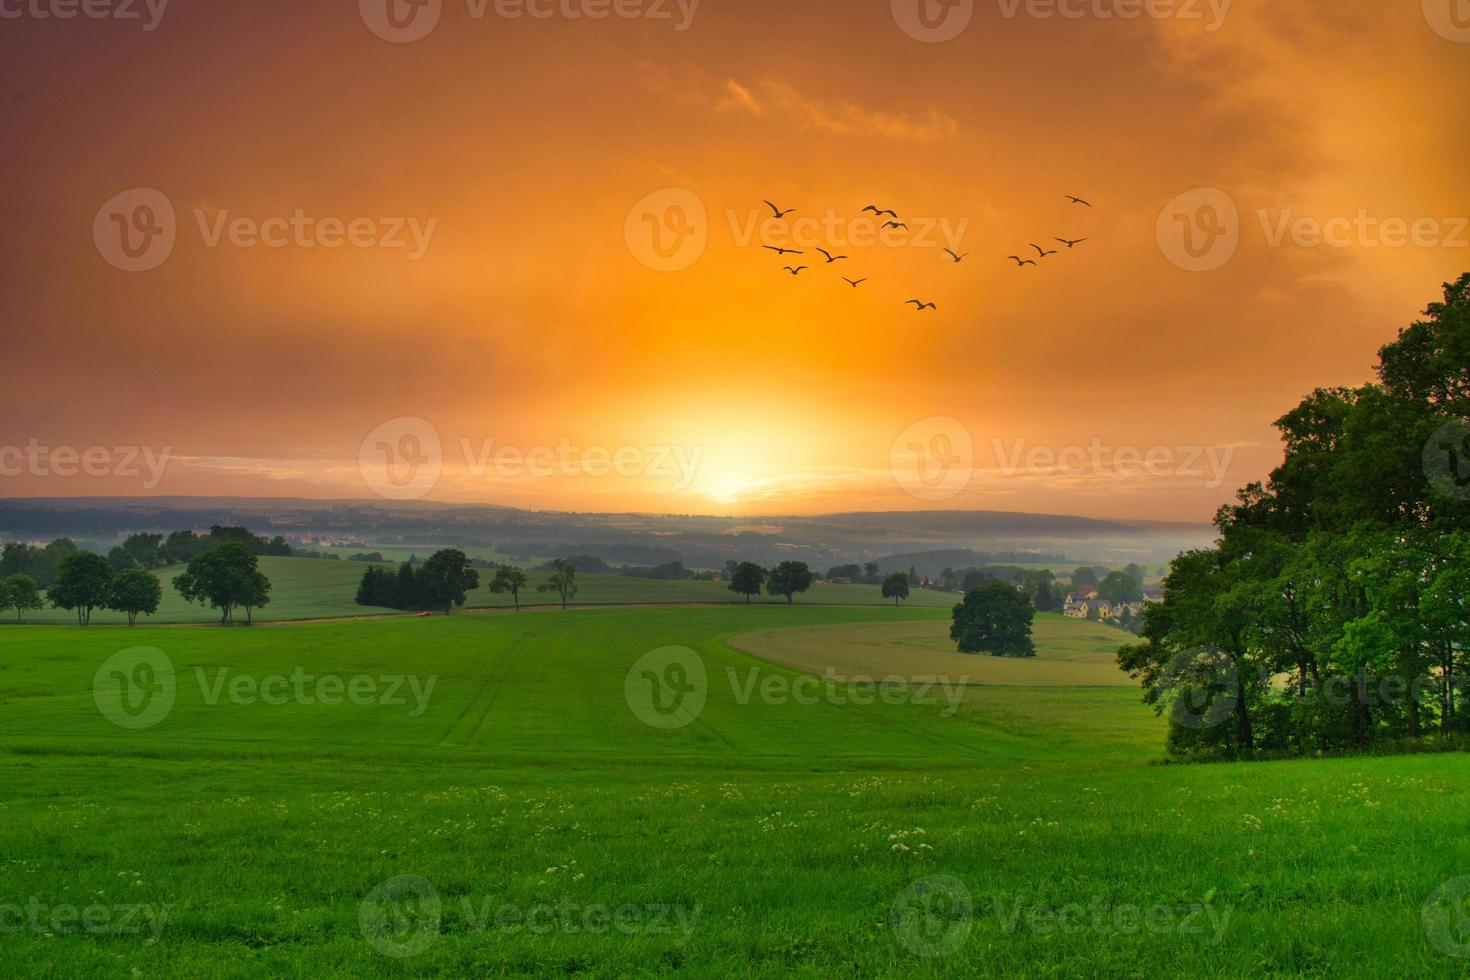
point(493, 800)
point(319, 588)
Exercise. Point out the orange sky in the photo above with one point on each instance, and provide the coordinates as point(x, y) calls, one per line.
point(530, 320)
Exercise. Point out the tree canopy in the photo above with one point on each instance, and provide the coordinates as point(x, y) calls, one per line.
point(1345, 572)
point(994, 618)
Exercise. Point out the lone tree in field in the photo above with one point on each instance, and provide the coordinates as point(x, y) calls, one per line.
point(509, 579)
point(225, 577)
point(747, 579)
point(135, 591)
point(447, 579)
point(896, 587)
point(563, 581)
point(19, 592)
point(789, 578)
point(995, 619)
point(82, 584)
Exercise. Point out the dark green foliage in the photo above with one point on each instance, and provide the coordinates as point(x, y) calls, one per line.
point(994, 618)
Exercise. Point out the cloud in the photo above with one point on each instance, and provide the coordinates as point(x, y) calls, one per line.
point(691, 85)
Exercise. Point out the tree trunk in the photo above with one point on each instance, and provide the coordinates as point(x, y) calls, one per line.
point(1242, 715)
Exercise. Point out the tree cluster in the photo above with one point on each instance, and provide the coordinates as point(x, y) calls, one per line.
point(1332, 614)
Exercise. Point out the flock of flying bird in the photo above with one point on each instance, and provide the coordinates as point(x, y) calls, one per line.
point(896, 223)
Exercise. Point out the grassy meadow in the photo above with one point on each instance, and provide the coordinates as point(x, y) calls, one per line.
point(500, 795)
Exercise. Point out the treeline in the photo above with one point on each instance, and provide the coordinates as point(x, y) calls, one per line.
point(143, 551)
point(225, 576)
point(448, 577)
point(444, 581)
point(1333, 613)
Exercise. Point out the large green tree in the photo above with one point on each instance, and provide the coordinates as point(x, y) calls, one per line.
point(746, 579)
point(82, 584)
point(447, 579)
point(788, 579)
point(20, 592)
point(135, 592)
point(225, 577)
point(994, 618)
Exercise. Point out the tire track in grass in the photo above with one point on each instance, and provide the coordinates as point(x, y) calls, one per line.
point(498, 684)
point(881, 717)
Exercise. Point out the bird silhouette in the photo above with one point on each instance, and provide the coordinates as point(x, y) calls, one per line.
point(830, 257)
point(880, 212)
point(1020, 261)
point(797, 271)
point(957, 258)
point(854, 283)
point(896, 224)
point(784, 251)
point(1078, 200)
point(1073, 242)
point(777, 211)
point(1041, 252)
point(921, 305)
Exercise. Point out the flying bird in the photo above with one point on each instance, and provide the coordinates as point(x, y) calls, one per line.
point(896, 224)
point(880, 212)
point(1078, 200)
point(777, 211)
point(1073, 242)
point(1020, 261)
point(830, 257)
point(854, 283)
point(922, 306)
point(796, 271)
point(1043, 253)
point(783, 251)
point(957, 258)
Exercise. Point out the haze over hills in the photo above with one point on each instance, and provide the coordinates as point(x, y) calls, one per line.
point(699, 541)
